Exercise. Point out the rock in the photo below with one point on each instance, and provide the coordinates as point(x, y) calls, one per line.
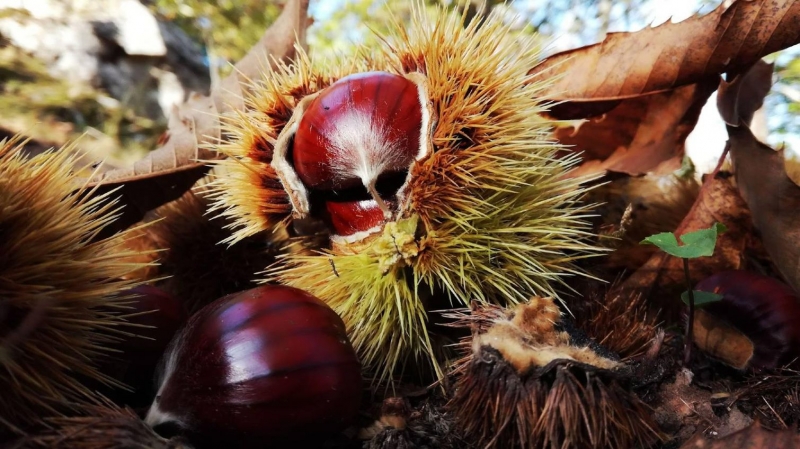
point(119, 45)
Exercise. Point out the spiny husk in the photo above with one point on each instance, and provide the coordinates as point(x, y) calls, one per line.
point(625, 324)
point(489, 218)
point(60, 289)
point(198, 269)
point(106, 427)
point(521, 384)
point(562, 405)
point(426, 427)
point(247, 190)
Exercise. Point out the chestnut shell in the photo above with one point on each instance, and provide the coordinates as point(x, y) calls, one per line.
point(764, 309)
point(268, 365)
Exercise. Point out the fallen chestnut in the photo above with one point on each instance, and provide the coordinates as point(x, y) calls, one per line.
point(755, 323)
point(162, 314)
point(158, 316)
point(271, 365)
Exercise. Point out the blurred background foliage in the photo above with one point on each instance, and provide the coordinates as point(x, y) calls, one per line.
point(54, 111)
point(786, 92)
point(226, 29)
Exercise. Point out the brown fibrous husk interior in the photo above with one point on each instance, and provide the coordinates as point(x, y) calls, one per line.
point(523, 384)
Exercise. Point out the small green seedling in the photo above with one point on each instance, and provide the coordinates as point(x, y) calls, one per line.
point(694, 245)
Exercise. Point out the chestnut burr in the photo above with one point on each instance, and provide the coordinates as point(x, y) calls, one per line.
point(429, 169)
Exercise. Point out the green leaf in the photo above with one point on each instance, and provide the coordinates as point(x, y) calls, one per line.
point(694, 244)
point(701, 298)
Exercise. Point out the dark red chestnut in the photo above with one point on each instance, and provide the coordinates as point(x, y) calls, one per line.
point(267, 366)
point(362, 126)
point(754, 325)
point(160, 316)
point(355, 142)
point(347, 218)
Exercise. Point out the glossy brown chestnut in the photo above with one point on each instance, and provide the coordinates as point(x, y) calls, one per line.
point(356, 142)
point(754, 325)
point(360, 127)
point(267, 366)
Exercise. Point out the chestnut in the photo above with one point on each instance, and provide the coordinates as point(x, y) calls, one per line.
point(350, 217)
point(754, 325)
point(271, 365)
point(158, 316)
point(353, 147)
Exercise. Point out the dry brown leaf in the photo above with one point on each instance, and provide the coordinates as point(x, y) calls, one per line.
point(641, 133)
point(277, 43)
point(739, 100)
point(662, 277)
point(169, 171)
point(626, 65)
point(772, 196)
point(752, 437)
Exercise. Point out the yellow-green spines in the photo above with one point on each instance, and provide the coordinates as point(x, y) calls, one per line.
point(373, 291)
point(59, 289)
point(494, 218)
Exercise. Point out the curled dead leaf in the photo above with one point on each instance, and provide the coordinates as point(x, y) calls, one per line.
point(772, 196)
point(641, 133)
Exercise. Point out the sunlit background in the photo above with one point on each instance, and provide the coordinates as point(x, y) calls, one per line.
point(55, 86)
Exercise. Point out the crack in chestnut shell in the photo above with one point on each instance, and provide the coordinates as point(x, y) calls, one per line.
point(764, 309)
point(271, 364)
